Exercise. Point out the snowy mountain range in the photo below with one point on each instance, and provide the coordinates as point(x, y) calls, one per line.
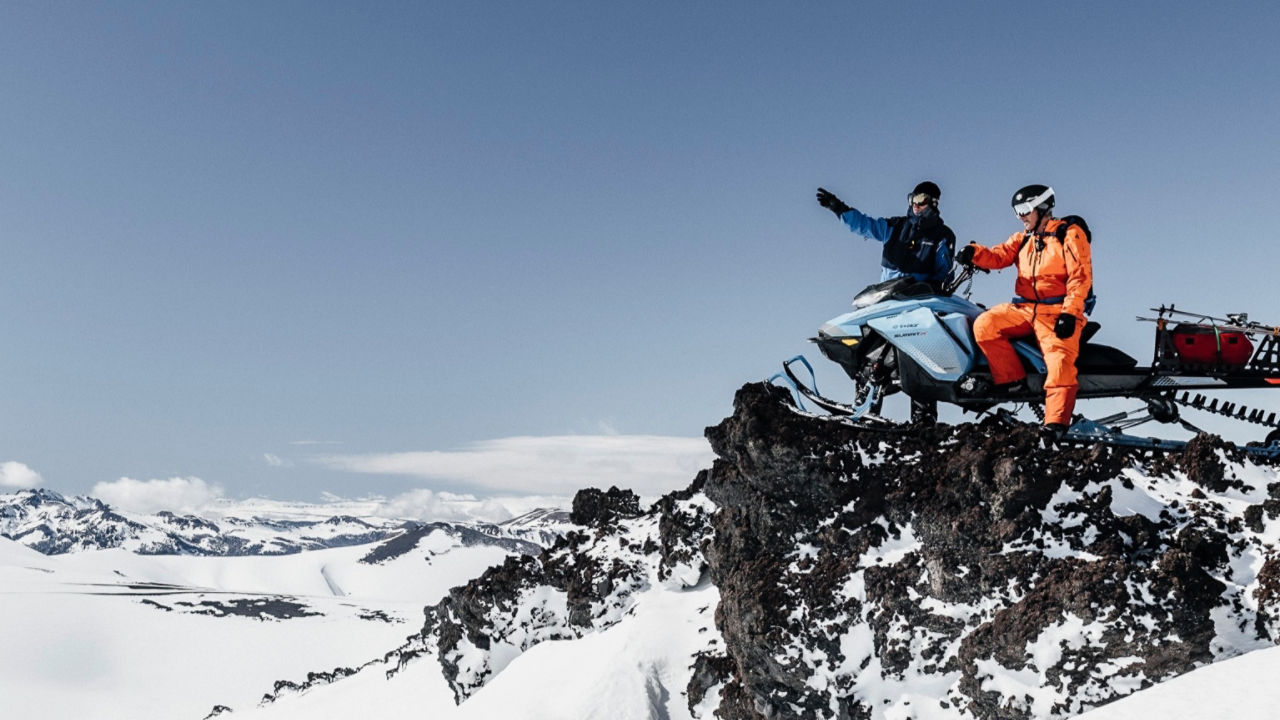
point(52, 524)
point(814, 571)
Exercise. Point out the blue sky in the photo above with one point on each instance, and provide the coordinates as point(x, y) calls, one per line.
point(260, 243)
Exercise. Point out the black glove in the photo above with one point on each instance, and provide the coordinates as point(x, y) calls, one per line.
point(1066, 325)
point(965, 256)
point(831, 202)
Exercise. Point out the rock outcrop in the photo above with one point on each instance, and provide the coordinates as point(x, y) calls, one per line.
point(585, 583)
point(969, 571)
point(973, 569)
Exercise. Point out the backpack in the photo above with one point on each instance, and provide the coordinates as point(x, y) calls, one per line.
point(1090, 300)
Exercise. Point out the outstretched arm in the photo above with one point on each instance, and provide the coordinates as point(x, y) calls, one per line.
point(998, 256)
point(866, 226)
point(869, 227)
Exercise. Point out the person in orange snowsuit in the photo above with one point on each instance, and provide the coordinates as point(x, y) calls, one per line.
point(1055, 276)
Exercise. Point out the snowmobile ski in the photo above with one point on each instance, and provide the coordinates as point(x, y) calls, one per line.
point(857, 415)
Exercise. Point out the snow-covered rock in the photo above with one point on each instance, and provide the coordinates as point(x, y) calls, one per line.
point(973, 571)
point(968, 571)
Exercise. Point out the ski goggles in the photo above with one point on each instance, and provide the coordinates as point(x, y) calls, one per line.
point(1025, 208)
point(921, 199)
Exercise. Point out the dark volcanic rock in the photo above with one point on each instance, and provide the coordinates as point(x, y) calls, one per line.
point(257, 608)
point(848, 559)
point(592, 507)
point(588, 581)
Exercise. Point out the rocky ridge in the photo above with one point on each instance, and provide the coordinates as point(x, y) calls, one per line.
point(973, 571)
point(970, 571)
point(587, 581)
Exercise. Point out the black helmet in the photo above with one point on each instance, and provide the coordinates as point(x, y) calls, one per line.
point(1032, 197)
point(929, 189)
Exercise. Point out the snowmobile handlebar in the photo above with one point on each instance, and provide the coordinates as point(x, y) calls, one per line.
point(962, 277)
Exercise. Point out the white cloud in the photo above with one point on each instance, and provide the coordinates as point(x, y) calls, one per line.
point(650, 465)
point(425, 505)
point(178, 494)
point(429, 505)
point(16, 475)
point(276, 460)
point(422, 504)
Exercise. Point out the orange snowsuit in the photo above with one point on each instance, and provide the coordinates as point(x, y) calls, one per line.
point(1053, 277)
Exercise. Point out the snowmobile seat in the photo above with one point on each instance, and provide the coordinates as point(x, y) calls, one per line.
point(1103, 357)
point(1093, 355)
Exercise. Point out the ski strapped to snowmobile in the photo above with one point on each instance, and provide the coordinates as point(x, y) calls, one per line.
point(912, 337)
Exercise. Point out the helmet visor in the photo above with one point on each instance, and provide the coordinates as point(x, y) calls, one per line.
point(1025, 208)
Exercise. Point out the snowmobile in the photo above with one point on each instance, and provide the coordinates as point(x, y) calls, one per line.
point(912, 337)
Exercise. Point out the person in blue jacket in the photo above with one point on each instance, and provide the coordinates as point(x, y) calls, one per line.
point(918, 244)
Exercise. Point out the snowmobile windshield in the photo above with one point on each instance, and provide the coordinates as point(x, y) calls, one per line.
point(882, 291)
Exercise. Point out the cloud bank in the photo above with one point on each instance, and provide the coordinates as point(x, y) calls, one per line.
point(421, 504)
point(16, 475)
point(650, 465)
point(431, 506)
point(179, 494)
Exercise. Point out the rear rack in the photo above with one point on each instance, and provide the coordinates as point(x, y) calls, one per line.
point(1265, 357)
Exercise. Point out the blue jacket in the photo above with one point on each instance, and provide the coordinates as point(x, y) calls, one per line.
point(921, 246)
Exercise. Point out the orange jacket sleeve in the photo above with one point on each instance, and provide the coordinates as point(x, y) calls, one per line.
point(998, 256)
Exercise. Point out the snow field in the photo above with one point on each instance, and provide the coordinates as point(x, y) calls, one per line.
point(634, 670)
point(82, 639)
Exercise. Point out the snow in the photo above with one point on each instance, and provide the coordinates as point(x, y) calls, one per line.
point(901, 542)
point(106, 633)
point(1242, 688)
point(1138, 500)
point(82, 637)
point(1045, 651)
point(634, 670)
point(637, 669)
point(109, 656)
point(911, 696)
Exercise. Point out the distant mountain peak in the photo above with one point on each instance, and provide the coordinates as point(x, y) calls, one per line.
point(52, 523)
point(538, 516)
